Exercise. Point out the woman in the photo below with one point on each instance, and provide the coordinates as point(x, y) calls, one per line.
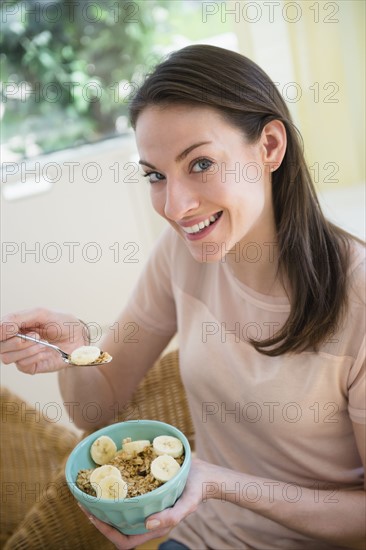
point(266, 296)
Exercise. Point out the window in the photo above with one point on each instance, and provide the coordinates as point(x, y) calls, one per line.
point(69, 67)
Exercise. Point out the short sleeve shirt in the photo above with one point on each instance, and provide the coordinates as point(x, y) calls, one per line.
point(286, 418)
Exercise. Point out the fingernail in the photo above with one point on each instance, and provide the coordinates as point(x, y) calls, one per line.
point(153, 524)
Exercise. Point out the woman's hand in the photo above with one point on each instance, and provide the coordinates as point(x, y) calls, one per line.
point(120, 541)
point(65, 331)
point(161, 523)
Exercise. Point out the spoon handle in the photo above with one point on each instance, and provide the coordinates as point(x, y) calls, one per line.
point(43, 342)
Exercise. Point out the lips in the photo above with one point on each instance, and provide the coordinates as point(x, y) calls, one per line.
point(201, 226)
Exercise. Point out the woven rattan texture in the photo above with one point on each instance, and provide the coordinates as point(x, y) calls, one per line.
point(38, 510)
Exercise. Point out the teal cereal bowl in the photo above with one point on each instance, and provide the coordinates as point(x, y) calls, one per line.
point(128, 515)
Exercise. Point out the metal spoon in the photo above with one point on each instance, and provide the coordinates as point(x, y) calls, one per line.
point(66, 357)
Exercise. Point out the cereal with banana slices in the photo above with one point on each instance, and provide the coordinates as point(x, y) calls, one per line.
point(135, 465)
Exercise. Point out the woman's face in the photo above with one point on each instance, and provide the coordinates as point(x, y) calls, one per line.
point(210, 184)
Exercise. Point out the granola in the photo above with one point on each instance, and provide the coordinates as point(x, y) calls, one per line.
point(135, 470)
point(103, 357)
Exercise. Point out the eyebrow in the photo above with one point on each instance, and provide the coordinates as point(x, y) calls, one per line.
point(181, 155)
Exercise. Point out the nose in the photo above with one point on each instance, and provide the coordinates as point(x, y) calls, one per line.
point(180, 199)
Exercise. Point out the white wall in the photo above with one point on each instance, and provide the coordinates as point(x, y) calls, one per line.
point(113, 212)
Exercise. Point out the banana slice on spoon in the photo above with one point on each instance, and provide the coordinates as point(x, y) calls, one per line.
point(86, 355)
point(78, 357)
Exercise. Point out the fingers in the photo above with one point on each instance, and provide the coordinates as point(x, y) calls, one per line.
point(23, 321)
point(15, 356)
point(34, 364)
point(8, 329)
point(16, 348)
point(27, 319)
point(29, 357)
point(169, 518)
point(53, 326)
point(123, 542)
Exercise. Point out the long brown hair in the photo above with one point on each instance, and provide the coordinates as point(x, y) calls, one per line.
point(313, 252)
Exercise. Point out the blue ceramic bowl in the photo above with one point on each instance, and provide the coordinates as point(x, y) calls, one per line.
point(128, 515)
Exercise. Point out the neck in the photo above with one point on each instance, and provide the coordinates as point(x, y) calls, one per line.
point(254, 262)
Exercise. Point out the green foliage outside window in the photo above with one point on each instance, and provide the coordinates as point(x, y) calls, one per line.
point(69, 67)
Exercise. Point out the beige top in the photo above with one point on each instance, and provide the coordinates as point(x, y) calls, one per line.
point(285, 418)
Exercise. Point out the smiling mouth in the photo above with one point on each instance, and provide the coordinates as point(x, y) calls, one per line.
point(198, 227)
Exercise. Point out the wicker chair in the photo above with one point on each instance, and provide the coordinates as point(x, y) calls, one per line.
point(38, 510)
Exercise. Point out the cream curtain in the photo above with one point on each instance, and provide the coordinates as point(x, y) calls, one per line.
point(315, 51)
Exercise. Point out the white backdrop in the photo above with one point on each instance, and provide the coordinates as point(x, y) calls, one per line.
point(76, 245)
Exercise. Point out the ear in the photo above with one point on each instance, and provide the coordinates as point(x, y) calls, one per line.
point(274, 141)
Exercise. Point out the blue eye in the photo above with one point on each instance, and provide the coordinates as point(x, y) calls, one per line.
point(154, 177)
point(201, 165)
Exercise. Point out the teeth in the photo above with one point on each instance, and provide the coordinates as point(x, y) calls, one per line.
point(201, 225)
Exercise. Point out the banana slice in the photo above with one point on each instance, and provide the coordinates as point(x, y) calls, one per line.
point(111, 487)
point(103, 471)
point(164, 467)
point(103, 449)
point(168, 445)
point(132, 447)
point(85, 355)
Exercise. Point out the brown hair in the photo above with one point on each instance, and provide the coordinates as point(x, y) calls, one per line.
point(313, 252)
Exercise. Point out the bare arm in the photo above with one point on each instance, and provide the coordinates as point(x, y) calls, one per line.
point(91, 395)
point(110, 387)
